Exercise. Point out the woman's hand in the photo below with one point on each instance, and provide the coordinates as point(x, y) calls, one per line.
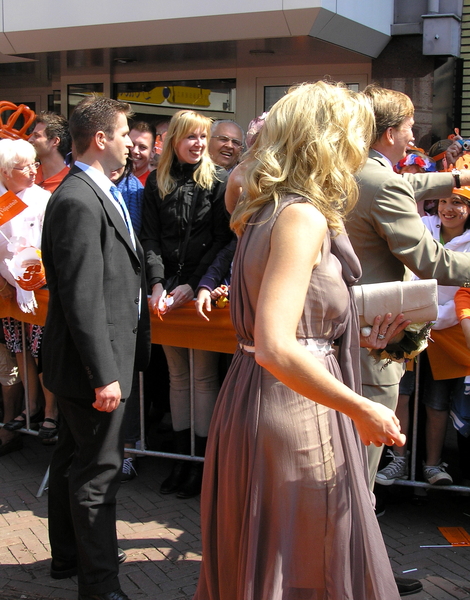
point(181, 295)
point(220, 291)
point(384, 331)
point(157, 291)
point(378, 425)
point(203, 303)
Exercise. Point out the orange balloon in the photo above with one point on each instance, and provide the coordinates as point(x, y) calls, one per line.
point(33, 278)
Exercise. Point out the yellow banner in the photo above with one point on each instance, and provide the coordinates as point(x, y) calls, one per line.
point(175, 94)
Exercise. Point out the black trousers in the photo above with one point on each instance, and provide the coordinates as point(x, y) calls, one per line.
point(83, 483)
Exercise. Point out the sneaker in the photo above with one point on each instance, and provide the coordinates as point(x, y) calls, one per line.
point(437, 474)
point(128, 469)
point(397, 468)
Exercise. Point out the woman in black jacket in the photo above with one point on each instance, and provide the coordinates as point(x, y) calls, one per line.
point(186, 192)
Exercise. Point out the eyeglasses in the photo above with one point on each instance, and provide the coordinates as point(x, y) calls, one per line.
point(32, 167)
point(224, 139)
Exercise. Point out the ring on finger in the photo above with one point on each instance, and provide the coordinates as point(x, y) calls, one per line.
point(380, 336)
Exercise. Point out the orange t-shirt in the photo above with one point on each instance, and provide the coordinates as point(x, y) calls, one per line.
point(53, 182)
point(143, 177)
point(462, 303)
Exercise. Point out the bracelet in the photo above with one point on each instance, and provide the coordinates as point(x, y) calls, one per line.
point(6, 283)
point(456, 174)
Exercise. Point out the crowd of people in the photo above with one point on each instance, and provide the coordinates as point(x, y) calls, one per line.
point(324, 192)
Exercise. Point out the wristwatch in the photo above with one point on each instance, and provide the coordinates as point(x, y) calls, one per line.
point(456, 174)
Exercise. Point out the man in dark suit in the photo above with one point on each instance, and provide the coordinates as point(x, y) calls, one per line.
point(97, 330)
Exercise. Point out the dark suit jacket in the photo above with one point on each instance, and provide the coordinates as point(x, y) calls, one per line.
point(93, 333)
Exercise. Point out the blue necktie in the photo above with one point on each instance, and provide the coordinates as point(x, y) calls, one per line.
point(125, 213)
point(127, 220)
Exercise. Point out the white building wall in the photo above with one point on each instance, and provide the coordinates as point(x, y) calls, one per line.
point(360, 25)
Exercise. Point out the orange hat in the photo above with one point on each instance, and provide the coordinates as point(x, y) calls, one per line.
point(462, 191)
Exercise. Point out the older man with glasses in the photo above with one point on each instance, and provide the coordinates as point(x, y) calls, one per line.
point(226, 143)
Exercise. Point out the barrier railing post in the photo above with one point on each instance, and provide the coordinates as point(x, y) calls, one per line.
point(26, 375)
point(191, 400)
point(142, 410)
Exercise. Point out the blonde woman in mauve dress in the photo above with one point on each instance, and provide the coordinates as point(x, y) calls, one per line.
point(286, 510)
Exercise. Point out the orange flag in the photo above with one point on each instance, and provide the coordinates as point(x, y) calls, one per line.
point(10, 206)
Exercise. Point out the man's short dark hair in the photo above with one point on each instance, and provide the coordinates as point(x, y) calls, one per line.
point(93, 114)
point(144, 127)
point(56, 126)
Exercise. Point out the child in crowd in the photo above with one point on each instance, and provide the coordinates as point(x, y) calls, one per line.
point(444, 373)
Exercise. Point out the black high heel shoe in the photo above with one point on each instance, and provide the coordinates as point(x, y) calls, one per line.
point(20, 421)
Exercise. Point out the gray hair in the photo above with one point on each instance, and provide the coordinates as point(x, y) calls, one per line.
point(13, 152)
point(215, 124)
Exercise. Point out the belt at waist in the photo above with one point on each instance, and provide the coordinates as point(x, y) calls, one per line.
point(313, 344)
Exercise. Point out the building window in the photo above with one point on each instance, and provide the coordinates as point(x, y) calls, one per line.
point(273, 93)
point(208, 95)
point(77, 92)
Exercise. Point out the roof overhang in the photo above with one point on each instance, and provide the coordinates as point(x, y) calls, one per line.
point(358, 25)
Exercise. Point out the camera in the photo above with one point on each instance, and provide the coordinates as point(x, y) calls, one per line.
point(465, 143)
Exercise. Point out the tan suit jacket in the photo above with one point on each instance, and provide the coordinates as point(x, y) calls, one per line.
point(387, 233)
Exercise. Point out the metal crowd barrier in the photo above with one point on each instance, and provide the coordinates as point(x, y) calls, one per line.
point(181, 327)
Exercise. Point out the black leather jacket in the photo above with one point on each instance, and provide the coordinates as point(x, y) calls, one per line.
point(164, 224)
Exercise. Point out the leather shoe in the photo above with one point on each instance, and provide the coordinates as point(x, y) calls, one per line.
point(116, 595)
point(20, 421)
point(191, 487)
point(407, 586)
point(64, 570)
point(121, 556)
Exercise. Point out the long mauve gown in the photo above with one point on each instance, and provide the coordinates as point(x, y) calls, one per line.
point(286, 511)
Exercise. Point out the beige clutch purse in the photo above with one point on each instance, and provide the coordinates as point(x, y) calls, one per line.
point(417, 300)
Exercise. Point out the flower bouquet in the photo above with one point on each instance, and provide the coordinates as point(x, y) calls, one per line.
point(413, 341)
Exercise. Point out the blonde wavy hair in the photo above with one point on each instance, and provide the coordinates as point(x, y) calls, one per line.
point(182, 124)
point(314, 139)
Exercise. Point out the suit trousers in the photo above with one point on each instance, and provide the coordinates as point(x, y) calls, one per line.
point(84, 480)
point(388, 396)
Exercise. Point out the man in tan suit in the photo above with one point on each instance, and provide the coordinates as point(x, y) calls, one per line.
point(387, 233)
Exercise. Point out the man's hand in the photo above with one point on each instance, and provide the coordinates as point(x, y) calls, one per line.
point(108, 397)
point(453, 152)
point(384, 332)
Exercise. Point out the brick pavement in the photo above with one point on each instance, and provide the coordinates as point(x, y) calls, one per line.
point(161, 536)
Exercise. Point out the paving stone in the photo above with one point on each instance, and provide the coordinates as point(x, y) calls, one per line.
point(161, 535)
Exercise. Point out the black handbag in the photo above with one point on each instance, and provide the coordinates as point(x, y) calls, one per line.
point(173, 282)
